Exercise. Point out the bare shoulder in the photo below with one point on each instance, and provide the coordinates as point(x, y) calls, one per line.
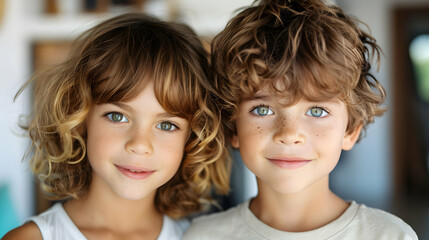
point(26, 231)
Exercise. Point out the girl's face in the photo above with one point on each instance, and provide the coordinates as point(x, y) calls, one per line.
point(291, 148)
point(134, 147)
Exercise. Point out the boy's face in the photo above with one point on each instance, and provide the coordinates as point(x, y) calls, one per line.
point(134, 147)
point(291, 148)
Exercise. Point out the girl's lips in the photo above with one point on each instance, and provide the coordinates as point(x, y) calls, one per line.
point(134, 173)
point(289, 163)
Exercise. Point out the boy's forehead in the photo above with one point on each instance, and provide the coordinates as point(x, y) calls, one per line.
point(289, 93)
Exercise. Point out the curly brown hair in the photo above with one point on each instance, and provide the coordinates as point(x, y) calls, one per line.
point(109, 63)
point(299, 49)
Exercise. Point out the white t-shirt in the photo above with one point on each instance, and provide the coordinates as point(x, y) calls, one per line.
point(357, 222)
point(55, 223)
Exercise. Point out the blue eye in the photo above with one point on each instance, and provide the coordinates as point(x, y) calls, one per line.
point(166, 126)
point(262, 111)
point(116, 117)
point(316, 112)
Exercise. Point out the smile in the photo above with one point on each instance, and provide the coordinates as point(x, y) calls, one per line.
point(289, 163)
point(134, 173)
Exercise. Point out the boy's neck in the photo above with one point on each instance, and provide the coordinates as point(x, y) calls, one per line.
point(307, 210)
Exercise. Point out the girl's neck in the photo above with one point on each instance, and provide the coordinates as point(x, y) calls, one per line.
point(309, 209)
point(101, 211)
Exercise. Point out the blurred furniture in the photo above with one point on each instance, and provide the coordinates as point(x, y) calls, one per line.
point(2, 7)
point(410, 109)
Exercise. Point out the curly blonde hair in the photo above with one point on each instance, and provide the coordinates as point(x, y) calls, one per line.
point(298, 49)
point(110, 63)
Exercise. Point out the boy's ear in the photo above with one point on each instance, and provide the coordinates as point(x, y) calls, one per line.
point(234, 141)
point(351, 138)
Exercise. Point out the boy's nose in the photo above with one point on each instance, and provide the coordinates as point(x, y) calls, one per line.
point(139, 142)
point(288, 131)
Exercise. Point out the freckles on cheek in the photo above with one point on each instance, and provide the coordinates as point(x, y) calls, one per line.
point(320, 133)
point(250, 130)
point(259, 130)
point(280, 124)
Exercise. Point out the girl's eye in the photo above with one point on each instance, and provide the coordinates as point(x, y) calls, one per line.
point(262, 111)
point(116, 117)
point(316, 112)
point(166, 126)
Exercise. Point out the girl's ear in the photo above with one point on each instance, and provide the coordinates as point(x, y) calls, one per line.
point(351, 138)
point(234, 141)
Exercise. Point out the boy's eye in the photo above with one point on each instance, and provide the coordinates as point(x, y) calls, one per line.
point(262, 111)
point(316, 112)
point(116, 117)
point(166, 126)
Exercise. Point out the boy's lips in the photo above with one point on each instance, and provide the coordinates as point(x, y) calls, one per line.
point(134, 172)
point(289, 163)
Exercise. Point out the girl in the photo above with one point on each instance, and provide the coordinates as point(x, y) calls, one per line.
point(126, 133)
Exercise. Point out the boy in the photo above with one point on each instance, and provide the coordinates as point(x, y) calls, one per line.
point(296, 89)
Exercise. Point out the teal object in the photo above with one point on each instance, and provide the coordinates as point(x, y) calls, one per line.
point(8, 216)
point(419, 54)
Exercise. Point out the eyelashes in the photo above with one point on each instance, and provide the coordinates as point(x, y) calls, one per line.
point(262, 110)
point(167, 126)
point(315, 111)
point(117, 117)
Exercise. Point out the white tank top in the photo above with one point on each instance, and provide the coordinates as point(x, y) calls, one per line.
point(55, 223)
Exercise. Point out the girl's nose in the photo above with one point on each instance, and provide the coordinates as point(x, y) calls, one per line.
point(140, 142)
point(288, 131)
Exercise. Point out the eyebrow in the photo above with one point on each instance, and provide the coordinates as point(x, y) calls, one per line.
point(253, 98)
point(167, 115)
point(333, 101)
point(130, 109)
point(122, 105)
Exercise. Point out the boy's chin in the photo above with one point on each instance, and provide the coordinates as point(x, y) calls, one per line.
point(288, 188)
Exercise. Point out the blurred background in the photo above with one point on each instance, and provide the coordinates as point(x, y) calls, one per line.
point(387, 169)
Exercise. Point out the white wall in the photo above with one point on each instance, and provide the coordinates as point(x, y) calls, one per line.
point(14, 68)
